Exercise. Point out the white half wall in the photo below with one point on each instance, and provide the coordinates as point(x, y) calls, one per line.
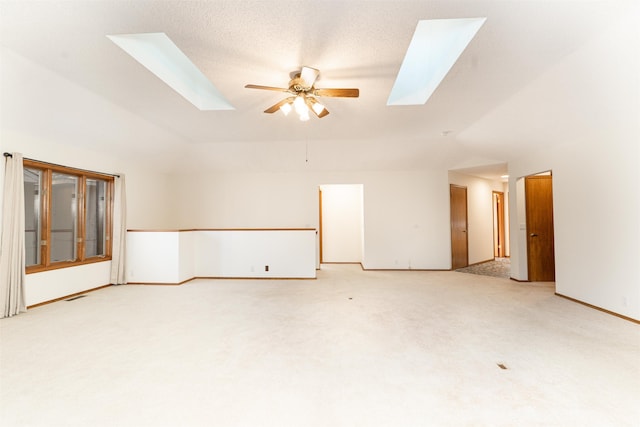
point(153, 257)
point(176, 256)
point(229, 253)
point(187, 252)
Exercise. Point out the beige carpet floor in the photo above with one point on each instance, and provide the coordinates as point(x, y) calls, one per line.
point(351, 348)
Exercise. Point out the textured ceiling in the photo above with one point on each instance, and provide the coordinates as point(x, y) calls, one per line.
point(354, 44)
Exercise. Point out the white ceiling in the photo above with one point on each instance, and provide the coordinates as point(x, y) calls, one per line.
point(354, 44)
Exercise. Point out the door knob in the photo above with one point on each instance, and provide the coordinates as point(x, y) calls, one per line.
point(534, 235)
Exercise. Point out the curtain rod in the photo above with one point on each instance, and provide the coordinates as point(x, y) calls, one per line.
point(62, 166)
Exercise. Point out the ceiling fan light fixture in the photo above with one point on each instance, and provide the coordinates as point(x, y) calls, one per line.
point(286, 108)
point(304, 116)
point(308, 76)
point(318, 108)
point(300, 105)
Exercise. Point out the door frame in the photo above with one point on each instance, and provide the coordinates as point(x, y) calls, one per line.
point(320, 223)
point(499, 238)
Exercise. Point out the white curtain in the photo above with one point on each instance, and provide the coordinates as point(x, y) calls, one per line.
point(12, 246)
point(119, 238)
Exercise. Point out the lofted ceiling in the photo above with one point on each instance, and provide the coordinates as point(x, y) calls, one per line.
point(89, 92)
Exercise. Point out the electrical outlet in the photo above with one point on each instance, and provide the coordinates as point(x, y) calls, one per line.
point(266, 268)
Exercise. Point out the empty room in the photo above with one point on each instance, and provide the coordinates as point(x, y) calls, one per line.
point(319, 213)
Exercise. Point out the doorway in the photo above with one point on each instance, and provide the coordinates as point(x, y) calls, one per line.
point(341, 223)
point(459, 238)
point(499, 239)
point(539, 220)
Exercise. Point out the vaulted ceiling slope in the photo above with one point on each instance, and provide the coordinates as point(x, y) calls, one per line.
point(82, 89)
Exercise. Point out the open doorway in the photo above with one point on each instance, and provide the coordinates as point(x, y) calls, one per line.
point(341, 223)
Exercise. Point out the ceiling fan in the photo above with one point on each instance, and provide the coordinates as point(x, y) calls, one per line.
point(304, 95)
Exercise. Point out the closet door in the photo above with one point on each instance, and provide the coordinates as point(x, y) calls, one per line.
point(459, 239)
point(539, 211)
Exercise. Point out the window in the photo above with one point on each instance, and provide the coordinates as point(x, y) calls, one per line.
point(32, 224)
point(67, 216)
point(64, 217)
point(95, 229)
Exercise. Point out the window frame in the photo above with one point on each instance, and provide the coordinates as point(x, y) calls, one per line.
point(45, 216)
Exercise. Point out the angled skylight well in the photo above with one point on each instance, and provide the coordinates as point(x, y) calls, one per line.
point(436, 45)
point(157, 53)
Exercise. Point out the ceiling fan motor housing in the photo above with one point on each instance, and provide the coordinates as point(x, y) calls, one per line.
point(297, 85)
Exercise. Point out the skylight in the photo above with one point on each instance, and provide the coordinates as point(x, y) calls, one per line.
point(435, 47)
point(163, 58)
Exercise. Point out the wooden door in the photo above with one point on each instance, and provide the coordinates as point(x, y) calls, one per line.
point(459, 240)
point(499, 248)
point(539, 211)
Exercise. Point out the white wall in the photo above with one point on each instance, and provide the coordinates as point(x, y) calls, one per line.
point(518, 229)
point(479, 214)
point(596, 174)
point(173, 257)
point(342, 223)
point(406, 214)
point(49, 285)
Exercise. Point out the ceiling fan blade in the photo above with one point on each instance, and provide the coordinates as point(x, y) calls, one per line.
point(278, 89)
point(324, 112)
point(314, 107)
point(277, 106)
point(345, 93)
point(309, 75)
